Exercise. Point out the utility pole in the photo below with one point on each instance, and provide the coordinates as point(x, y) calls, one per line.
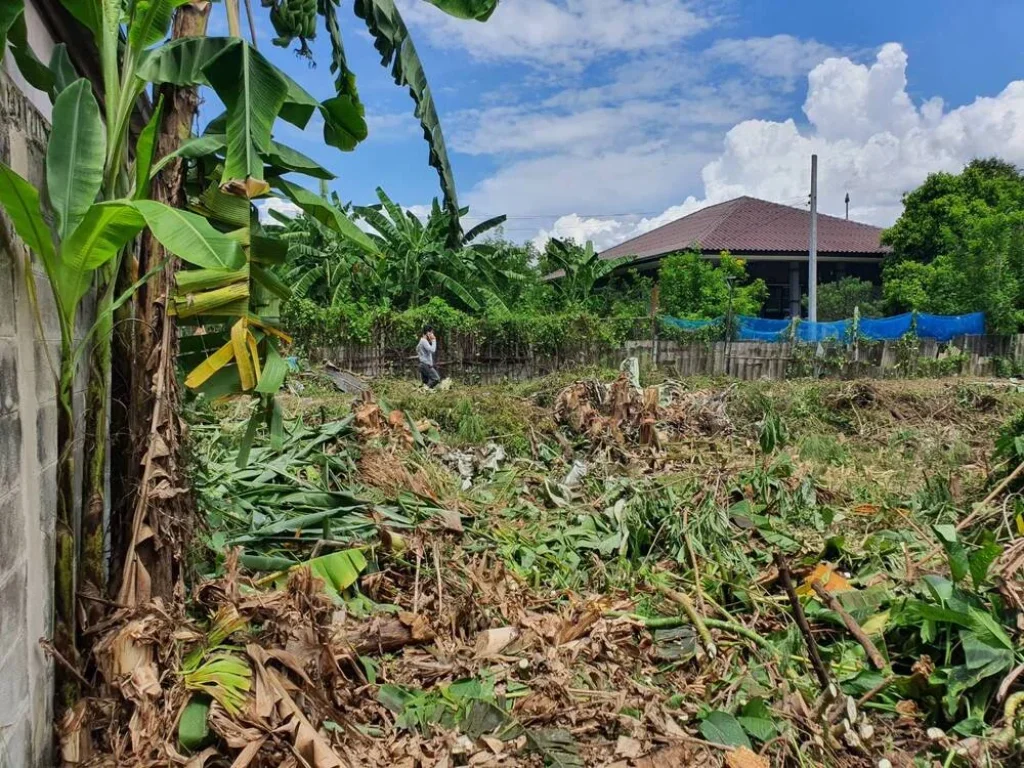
point(812, 255)
point(847, 206)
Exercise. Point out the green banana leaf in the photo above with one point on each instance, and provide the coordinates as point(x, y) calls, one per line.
point(326, 213)
point(75, 155)
point(20, 200)
point(253, 93)
point(396, 49)
point(190, 237)
point(477, 10)
point(63, 70)
point(102, 233)
point(144, 152)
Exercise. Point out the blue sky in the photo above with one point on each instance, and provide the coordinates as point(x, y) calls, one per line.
point(604, 118)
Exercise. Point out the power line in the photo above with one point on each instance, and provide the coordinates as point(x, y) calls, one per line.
point(474, 215)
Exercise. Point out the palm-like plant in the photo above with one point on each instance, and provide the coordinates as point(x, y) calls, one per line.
point(324, 267)
point(420, 258)
point(582, 269)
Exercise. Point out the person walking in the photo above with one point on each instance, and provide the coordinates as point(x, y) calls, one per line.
point(425, 350)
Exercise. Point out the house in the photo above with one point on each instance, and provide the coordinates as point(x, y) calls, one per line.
point(773, 239)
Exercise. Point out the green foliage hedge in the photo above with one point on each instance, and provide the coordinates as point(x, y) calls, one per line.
point(314, 326)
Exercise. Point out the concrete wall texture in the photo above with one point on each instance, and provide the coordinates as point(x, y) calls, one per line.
point(28, 447)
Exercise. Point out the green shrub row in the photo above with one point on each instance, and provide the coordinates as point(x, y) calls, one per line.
point(314, 326)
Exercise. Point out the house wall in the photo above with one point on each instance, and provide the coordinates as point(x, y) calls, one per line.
point(29, 342)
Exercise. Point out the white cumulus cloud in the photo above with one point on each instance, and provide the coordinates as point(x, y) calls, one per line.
point(569, 32)
point(871, 139)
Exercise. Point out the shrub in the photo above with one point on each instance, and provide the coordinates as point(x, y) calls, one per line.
point(694, 288)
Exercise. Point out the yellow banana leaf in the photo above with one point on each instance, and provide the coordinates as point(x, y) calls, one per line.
point(246, 372)
point(202, 372)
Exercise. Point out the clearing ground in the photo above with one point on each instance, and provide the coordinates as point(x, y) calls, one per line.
point(579, 571)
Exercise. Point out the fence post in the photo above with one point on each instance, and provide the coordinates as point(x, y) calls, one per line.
point(655, 295)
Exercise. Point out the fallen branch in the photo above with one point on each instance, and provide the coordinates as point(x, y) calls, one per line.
point(851, 624)
point(875, 691)
point(801, 621)
point(683, 600)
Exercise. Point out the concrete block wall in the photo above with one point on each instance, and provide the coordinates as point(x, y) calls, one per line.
point(29, 350)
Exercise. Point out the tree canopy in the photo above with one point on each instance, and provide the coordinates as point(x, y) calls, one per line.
point(959, 246)
point(695, 288)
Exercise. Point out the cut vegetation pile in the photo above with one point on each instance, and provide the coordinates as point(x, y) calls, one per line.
point(749, 575)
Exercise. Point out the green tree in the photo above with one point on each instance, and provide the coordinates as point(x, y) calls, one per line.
point(694, 288)
point(984, 274)
point(959, 246)
point(837, 300)
point(939, 216)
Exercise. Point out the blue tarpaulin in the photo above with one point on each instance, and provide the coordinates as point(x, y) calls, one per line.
point(886, 328)
point(945, 327)
point(747, 334)
point(813, 332)
point(938, 327)
point(761, 323)
point(690, 325)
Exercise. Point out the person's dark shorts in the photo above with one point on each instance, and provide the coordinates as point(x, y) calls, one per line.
point(429, 375)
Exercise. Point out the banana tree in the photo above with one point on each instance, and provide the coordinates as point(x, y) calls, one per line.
point(297, 20)
point(89, 233)
point(582, 269)
point(420, 257)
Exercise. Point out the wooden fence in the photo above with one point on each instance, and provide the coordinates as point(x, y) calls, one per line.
point(466, 358)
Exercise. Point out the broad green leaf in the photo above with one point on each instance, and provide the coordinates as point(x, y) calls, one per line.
point(200, 146)
point(327, 214)
point(271, 282)
point(190, 237)
point(989, 630)
point(981, 559)
point(63, 70)
point(144, 152)
point(265, 563)
point(253, 92)
point(722, 728)
point(956, 554)
point(88, 12)
point(287, 159)
point(245, 446)
point(193, 729)
point(299, 104)
point(182, 61)
point(74, 155)
point(484, 226)
point(757, 720)
point(105, 229)
point(36, 74)
point(396, 49)
point(151, 23)
point(478, 10)
point(982, 655)
point(344, 124)
point(338, 570)
point(351, 110)
point(20, 200)
point(9, 12)
point(264, 249)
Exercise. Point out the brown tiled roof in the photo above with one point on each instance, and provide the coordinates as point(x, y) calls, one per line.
point(749, 225)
